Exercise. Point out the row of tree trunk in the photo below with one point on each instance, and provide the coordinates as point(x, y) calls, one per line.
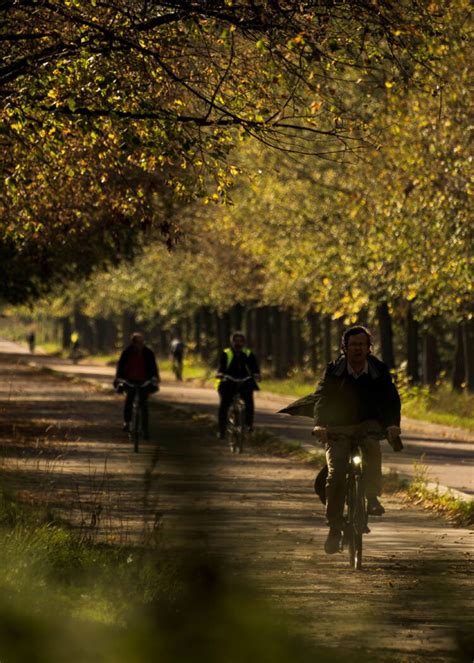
point(284, 342)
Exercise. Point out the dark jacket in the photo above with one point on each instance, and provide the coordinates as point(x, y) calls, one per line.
point(342, 400)
point(151, 368)
point(242, 364)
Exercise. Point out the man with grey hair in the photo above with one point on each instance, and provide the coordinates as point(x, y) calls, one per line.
point(356, 400)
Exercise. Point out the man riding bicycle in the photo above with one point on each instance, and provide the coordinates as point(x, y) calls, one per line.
point(238, 362)
point(356, 401)
point(137, 364)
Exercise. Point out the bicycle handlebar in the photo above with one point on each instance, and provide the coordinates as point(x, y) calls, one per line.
point(236, 380)
point(131, 384)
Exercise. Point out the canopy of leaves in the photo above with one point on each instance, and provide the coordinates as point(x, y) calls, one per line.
point(115, 114)
point(327, 236)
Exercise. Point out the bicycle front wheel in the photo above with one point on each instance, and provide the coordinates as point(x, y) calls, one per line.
point(136, 425)
point(356, 524)
point(240, 429)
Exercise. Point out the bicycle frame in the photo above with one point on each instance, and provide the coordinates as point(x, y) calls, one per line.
point(235, 424)
point(236, 417)
point(135, 428)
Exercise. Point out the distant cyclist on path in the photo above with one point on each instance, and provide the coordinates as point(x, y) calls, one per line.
point(238, 362)
point(137, 364)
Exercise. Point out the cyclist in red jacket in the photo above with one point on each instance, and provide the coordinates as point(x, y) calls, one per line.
point(137, 364)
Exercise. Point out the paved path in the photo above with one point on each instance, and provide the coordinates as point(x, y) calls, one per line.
point(255, 514)
point(446, 452)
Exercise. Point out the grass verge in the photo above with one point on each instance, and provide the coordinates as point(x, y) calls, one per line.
point(65, 598)
point(459, 511)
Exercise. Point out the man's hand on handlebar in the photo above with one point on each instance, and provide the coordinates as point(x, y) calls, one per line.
point(320, 433)
point(393, 437)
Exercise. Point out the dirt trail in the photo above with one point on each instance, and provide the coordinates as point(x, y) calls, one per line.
point(412, 602)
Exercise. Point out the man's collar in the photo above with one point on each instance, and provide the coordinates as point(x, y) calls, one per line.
point(352, 372)
point(372, 367)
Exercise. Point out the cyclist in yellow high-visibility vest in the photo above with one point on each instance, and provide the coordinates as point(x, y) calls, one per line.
point(239, 362)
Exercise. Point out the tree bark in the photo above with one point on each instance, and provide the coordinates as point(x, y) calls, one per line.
point(285, 342)
point(430, 359)
point(236, 317)
point(267, 335)
point(298, 343)
point(66, 332)
point(327, 339)
point(468, 338)
point(206, 333)
point(197, 331)
point(458, 373)
point(386, 334)
point(128, 326)
point(314, 329)
point(413, 369)
point(276, 355)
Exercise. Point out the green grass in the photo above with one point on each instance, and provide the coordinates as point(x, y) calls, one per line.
point(63, 598)
point(459, 511)
point(44, 566)
point(440, 404)
point(52, 348)
point(295, 386)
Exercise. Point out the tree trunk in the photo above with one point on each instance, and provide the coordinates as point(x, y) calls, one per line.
point(252, 328)
point(337, 342)
point(277, 370)
point(363, 317)
point(259, 345)
point(430, 359)
point(100, 325)
point(327, 339)
point(458, 373)
point(413, 370)
point(128, 326)
point(298, 343)
point(236, 317)
point(314, 328)
point(268, 339)
point(206, 333)
point(285, 343)
point(386, 334)
point(66, 332)
point(197, 331)
point(468, 337)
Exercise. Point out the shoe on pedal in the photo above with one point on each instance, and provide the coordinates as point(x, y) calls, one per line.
point(374, 508)
point(126, 427)
point(333, 541)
